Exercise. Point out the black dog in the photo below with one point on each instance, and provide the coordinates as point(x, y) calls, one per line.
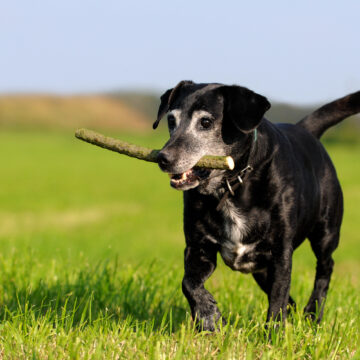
point(283, 189)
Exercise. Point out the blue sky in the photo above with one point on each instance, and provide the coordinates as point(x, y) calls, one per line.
point(295, 51)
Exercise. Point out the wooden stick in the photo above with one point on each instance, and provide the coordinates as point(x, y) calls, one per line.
point(143, 153)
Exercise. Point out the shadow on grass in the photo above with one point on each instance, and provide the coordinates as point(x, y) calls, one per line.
point(108, 292)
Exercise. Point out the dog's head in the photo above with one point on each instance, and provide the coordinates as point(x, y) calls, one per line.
point(205, 119)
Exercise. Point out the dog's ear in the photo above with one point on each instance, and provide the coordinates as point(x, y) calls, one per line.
point(244, 107)
point(167, 99)
point(164, 107)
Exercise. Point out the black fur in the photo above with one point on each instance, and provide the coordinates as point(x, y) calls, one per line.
point(291, 194)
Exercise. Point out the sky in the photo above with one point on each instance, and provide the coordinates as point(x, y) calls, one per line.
point(291, 51)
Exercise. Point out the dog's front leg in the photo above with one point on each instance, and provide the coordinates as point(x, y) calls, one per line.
point(280, 278)
point(200, 263)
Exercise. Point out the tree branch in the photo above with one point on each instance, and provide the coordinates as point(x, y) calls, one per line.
point(143, 153)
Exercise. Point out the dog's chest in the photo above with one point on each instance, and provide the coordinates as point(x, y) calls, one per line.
point(235, 253)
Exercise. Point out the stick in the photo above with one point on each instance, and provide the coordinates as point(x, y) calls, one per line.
point(143, 153)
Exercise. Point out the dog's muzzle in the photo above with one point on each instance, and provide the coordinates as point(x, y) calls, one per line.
point(185, 180)
point(188, 179)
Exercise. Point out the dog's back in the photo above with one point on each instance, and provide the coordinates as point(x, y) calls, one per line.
point(324, 196)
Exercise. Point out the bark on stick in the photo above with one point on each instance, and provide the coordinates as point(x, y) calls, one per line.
point(143, 153)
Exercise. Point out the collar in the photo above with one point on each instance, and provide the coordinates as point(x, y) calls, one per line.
point(237, 179)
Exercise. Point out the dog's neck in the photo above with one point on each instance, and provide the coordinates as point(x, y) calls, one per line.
point(244, 157)
point(243, 166)
point(258, 147)
point(254, 151)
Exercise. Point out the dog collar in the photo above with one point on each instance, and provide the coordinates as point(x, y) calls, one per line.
point(255, 135)
point(239, 177)
point(243, 172)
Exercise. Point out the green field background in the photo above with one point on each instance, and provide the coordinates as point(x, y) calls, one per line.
point(65, 198)
point(78, 223)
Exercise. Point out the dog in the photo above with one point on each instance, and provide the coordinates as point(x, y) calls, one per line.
point(283, 189)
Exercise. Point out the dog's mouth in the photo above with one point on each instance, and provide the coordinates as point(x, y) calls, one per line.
point(188, 179)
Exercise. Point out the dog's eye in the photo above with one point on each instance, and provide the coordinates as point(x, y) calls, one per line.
point(171, 122)
point(205, 123)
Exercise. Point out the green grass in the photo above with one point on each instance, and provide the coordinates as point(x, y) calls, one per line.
point(91, 257)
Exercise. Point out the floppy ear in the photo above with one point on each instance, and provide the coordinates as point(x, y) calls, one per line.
point(167, 98)
point(163, 108)
point(244, 107)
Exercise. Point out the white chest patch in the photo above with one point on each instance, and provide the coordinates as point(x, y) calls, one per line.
point(235, 229)
point(235, 225)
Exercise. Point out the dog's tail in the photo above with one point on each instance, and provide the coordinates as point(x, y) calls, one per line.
point(331, 114)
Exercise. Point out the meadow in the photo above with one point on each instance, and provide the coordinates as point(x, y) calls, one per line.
point(91, 262)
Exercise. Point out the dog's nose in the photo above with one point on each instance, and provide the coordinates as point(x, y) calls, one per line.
point(163, 160)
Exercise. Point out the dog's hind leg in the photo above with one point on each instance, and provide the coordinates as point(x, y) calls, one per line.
point(200, 263)
point(261, 279)
point(278, 281)
point(323, 248)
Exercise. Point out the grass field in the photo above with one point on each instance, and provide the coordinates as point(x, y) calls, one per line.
point(91, 256)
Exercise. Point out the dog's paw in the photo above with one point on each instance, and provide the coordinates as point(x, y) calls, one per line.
point(209, 322)
point(313, 317)
point(313, 313)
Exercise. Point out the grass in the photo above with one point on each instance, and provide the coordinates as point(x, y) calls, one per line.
point(91, 257)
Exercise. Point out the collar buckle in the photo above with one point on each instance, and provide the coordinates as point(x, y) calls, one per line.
point(230, 188)
point(239, 177)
